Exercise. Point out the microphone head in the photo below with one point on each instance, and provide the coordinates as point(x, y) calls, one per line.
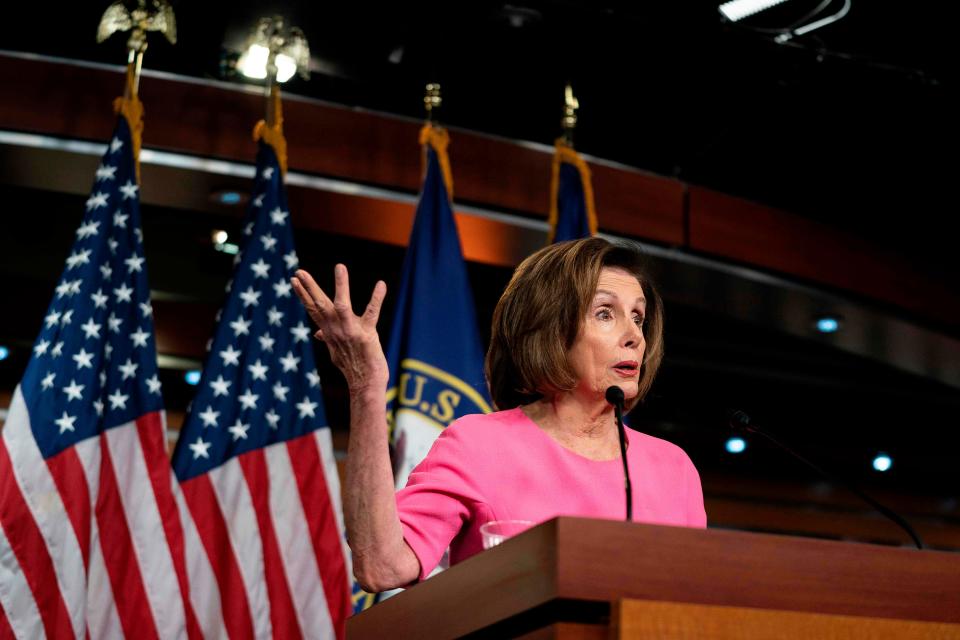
point(615, 396)
point(738, 420)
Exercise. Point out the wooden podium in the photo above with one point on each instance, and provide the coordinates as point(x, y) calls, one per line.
point(583, 578)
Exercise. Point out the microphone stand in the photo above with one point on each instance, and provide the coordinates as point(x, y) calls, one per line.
point(740, 421)
point(615, 397)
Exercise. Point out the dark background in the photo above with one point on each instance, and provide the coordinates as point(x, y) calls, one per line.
point(852, 126)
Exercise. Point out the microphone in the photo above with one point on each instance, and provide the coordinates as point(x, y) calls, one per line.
point(615, 397)
point(740, 421)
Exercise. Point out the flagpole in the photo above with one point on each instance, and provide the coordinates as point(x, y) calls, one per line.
point(134, 60)
point(117, 18)
point(432, 100)
point(272, 86)
point(580, 209)
point(569, 120)
point(435, 136)
point(279, 39)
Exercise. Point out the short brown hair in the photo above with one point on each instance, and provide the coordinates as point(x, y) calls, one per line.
point(534, 324)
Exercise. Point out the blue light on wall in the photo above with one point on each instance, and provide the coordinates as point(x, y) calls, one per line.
point(736, 445)
point(192, 377)
point(231, 197)
point(882, 462)
point(828, 324)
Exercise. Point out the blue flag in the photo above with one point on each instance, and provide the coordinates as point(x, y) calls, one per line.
point(572, 214)
point(434, 354)
point(255, 457)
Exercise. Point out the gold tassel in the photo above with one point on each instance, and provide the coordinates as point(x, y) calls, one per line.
point(131, 108)
point(272, 134)
point(565, 153)
point(439, 139)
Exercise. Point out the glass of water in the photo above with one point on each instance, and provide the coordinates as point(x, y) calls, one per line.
point(496, 531)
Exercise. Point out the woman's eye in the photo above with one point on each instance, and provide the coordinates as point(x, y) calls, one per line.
point(604, 314)
point(639, 320)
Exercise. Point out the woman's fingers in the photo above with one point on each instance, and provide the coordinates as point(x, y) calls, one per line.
point(336, 318)
point(341, 296)
point(372, 313)
point(312, 296)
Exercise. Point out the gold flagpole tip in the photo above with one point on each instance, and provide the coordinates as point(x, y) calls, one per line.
point(155, 15)
point(569, 120)
point(432, 99)
point(158, 16)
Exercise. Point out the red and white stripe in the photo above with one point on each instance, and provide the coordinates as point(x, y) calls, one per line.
point(265, 546)
point(88, 545)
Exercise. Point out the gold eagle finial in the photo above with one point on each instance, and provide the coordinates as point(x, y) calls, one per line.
point(157, 17)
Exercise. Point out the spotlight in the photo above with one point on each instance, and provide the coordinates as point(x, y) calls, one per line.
point(518, 17)
point(4, 352)
point(736, 445)
point(275, 47)
point(192, 377)
point(739, 9)
point(253, 64)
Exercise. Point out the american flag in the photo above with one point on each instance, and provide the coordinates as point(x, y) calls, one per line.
point(265, 545)
point(91, 542)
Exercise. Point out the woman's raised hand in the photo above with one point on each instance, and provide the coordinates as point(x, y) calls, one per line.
point(352, 340)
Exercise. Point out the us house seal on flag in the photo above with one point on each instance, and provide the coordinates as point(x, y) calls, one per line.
point(425, 400)
point(434, 352)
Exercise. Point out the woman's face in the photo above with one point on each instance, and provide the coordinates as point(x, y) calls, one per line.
point(609, 348)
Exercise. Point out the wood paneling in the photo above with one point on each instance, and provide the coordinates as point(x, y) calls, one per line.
point(213, 119)
point(573, 569)
point(604, 560)
point(673, 621)
point(750, 233)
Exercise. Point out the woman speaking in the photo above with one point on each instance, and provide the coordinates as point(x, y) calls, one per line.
point(577, 318)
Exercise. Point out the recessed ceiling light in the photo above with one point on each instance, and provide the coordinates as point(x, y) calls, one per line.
point(740, 9)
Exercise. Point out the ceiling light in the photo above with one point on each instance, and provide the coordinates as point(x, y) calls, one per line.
point(253, 64)
point(739, 9)
point(272, 42)
point(736, 10)
point(519, 17)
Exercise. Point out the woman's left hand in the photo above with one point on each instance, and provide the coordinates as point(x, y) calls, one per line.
point(352, 340)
